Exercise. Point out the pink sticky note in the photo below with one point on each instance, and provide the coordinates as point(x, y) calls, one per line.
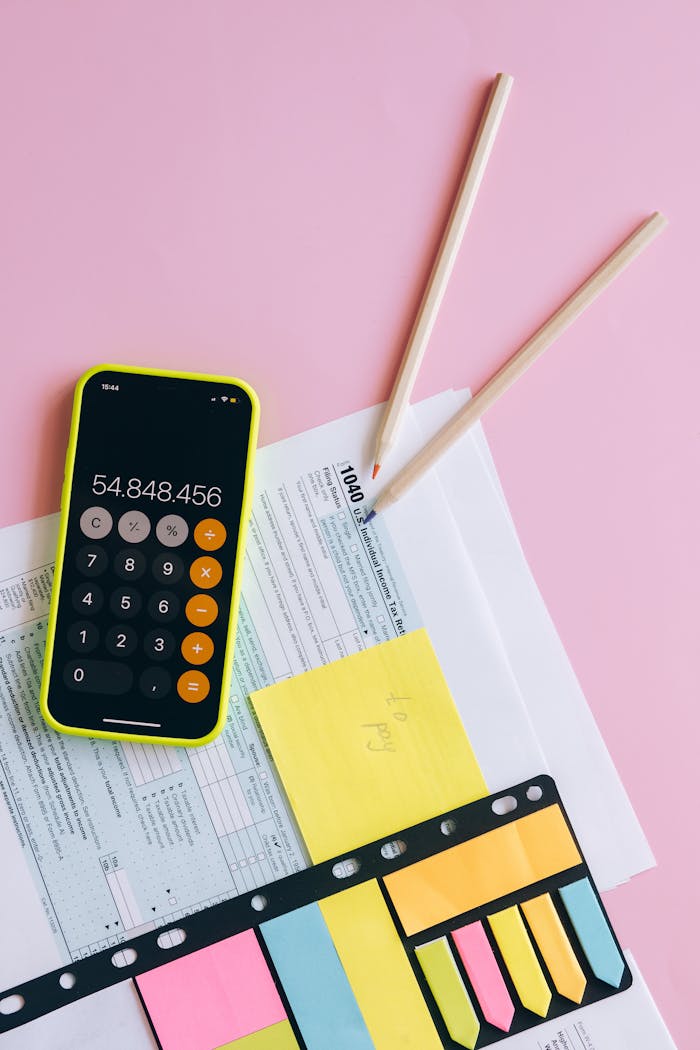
point(212, 996)
point(483, 972)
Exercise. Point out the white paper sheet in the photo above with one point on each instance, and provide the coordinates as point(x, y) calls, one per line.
point(599, 808)
point(629, 1021)
point(112, 1019)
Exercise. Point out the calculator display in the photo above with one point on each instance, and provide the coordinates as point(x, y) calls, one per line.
point(155, 499)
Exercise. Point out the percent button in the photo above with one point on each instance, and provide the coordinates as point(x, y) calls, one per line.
point(172, 530)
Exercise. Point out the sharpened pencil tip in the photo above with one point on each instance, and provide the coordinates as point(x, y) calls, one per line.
point(368, 517)
point(377, 467)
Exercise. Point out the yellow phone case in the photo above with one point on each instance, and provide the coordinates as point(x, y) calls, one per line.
point(60, 551)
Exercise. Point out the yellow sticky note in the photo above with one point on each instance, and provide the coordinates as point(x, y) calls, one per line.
point(378, 970)
point(482, 869)
point(368, 745)
point(278, 1036)
point(519, 956)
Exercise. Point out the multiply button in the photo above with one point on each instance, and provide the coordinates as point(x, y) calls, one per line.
point(96, 523)
point(210, 534)
point(201, 610)
point(134, 526)
point(193, 686)
point(205, 572)
point(197, 648)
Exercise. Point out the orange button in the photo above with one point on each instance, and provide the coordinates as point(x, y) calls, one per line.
point(205, 572)
point(210, 534)
point(201, 610)
point(197, 648)
point(193, 686)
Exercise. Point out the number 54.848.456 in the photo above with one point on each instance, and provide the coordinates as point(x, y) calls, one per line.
point(165, 491)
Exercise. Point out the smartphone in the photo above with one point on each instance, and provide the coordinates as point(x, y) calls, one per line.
point(154, 513)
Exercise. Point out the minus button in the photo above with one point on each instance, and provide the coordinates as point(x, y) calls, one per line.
point(201, 610)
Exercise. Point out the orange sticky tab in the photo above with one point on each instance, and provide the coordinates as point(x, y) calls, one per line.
point(555, 948)
point(483, 869)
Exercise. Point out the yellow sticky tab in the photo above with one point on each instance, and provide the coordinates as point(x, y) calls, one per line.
point(452, 999)
point(501, 861)
point(378, 970)
point(519, 956)
point(368, 745)
point(547, 929)
point(278, 1036)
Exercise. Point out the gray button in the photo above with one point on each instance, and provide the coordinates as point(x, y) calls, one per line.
point(98, 676)
point(134, 526)
point(96, 522)
point(172, 530)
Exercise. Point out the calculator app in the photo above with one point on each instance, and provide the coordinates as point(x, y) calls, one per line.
point(153, 526)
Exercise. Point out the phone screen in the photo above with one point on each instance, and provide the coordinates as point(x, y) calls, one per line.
point(140, 640)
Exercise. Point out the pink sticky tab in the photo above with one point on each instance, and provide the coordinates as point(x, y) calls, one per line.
point(483, 972)
point(212, 996)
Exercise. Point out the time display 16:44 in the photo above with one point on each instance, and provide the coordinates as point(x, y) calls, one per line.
point(165, 491)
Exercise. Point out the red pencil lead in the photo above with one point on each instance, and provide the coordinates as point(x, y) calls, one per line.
point(376, 470)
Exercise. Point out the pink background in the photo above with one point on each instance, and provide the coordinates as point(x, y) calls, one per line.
point(258, 188)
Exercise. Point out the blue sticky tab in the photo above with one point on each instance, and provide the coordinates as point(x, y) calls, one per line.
point(314, 981)
point(593, 932)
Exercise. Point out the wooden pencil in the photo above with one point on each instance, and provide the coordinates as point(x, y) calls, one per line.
point(442, 267)
point(520, 361)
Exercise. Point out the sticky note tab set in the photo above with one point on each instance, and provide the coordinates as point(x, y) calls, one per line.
point(457, 932)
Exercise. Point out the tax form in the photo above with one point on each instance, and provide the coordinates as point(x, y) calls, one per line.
point(103, 840)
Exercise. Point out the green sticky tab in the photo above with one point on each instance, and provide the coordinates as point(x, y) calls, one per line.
point(278, 1036)
point(450, 995)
